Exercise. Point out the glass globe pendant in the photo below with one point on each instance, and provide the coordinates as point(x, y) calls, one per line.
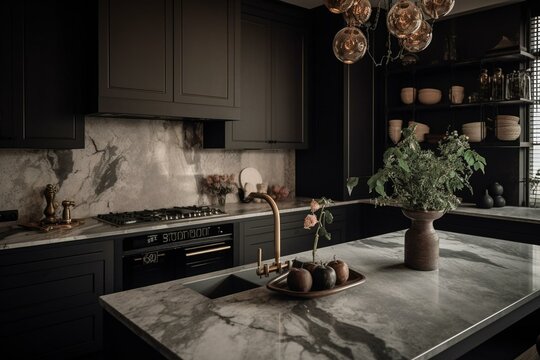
point(338, 6)
point(359, 13)
point(437, 8)
point(403, 19)
point(350, 45)
point(420, 39)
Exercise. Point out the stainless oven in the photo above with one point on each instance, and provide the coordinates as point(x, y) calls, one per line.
point(173, 254)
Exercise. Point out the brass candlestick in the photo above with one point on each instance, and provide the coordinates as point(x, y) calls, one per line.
point(50, 208)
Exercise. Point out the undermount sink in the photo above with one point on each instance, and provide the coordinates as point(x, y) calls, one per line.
point(228, 284)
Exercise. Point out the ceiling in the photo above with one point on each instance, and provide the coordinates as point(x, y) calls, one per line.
point(461, 5)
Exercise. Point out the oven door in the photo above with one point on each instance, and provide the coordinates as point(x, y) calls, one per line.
point(152, 267)
point(206, 258)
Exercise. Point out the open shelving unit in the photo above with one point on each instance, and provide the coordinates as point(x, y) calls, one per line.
point(507, 160)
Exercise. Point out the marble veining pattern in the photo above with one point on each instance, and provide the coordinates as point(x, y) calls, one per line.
point(129, 165)
point(397, 313)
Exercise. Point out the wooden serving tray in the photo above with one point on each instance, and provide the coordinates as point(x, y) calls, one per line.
point(279, 285)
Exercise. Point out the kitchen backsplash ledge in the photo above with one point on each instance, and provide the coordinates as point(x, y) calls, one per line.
point(129, 165)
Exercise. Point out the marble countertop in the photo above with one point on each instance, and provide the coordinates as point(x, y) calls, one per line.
point(512, 213)
point(16, 237)
point(397, 313)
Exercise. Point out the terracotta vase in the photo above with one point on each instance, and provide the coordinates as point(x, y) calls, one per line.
point(422, 241)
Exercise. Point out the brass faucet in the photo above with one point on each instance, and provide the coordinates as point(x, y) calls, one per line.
point(277, 266)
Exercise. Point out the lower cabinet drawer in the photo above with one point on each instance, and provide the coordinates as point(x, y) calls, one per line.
point(58, 335)
point(49, 299)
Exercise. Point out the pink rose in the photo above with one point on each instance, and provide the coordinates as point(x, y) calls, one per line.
point(314, 205)
point(310, 221)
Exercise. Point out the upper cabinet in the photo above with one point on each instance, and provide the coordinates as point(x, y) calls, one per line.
point(345, 109)
point(274, 81)
point(170, 58)
point(45, 46)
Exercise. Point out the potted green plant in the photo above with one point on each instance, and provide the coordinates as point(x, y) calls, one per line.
point(424, 183)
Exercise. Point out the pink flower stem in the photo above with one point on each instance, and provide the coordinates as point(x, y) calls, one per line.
point(316, 241)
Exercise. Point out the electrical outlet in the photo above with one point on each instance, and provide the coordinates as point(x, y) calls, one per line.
point(9, 215)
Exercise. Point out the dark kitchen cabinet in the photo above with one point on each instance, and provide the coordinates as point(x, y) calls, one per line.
point(169, 58)
point(274, 81)
point(45, 64)
point(259, 233)
point(343, 122)
point(49, 299)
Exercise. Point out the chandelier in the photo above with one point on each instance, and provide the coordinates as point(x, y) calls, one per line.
point(410, 22)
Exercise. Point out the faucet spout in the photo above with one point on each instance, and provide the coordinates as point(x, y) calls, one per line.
point(277, 266)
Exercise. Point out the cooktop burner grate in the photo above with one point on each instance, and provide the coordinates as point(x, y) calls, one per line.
point(165, 214)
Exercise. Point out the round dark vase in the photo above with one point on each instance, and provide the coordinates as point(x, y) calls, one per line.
point(421, 240)
point(496, 189)
point(499, 201)
point(485, 202)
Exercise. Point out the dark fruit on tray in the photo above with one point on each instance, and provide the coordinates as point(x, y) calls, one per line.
point(324, 278)
point(341, 269)
point(299, 280)
point(310, 266)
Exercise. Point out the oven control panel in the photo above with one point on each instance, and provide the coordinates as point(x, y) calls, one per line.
point(176, 235)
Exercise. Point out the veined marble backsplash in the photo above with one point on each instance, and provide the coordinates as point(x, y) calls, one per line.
point(129, 165)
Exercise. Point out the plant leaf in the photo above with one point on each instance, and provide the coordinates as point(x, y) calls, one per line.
point(403, 165)
point(329, 217)
point(324, 233)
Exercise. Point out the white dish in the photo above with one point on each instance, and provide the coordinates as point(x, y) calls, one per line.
point(250, 175)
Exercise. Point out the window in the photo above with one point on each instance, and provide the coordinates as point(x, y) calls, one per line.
point(534, 124)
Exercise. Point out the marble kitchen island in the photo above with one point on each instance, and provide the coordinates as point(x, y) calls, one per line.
point(482, 285)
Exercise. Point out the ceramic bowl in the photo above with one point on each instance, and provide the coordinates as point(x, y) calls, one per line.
point(429, 96)
point(395, 134)
point(476, 131)
point(421, 130)
point(509, 118)
point(508, 133)
point(395, 123)
point(408, 95)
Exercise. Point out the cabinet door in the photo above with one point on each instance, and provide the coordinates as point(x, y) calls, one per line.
point(288, 94)
point(8, 127)
point(49, 299)
point(205, 39)
point(253, 129)
point(136, 49)
point(42, 92)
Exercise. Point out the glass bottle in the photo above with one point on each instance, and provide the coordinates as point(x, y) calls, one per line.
point(525, 84)
point(484, 82)
point(497, 82)
point(512, 80)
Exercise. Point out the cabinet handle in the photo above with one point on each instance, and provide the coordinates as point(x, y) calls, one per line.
point(208, 251)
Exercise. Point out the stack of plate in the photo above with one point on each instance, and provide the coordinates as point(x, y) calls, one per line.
point(508, 128)
point(421, 130)
point(394, 130)
point(476, 131)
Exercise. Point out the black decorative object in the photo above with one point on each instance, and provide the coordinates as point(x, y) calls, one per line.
point(485, 202)
point(496, 189)
point(499, 201)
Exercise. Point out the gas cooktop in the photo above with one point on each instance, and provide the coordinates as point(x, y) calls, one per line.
point(166, 214)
